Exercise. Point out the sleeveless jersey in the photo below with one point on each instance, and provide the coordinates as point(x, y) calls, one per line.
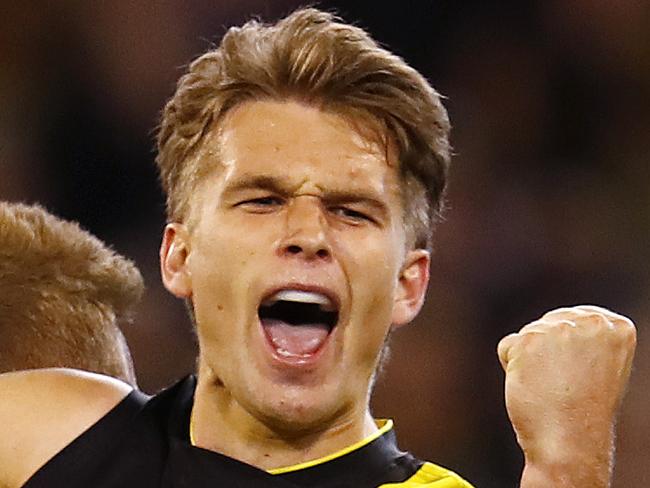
point(144, 442)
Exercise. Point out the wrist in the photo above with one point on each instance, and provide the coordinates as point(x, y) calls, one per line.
point(570, 461)
point(565, 475)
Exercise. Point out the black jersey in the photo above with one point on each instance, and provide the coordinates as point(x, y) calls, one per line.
point(144, 442)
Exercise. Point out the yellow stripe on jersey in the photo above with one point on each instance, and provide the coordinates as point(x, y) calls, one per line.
point(431, 476)
point(383, 427)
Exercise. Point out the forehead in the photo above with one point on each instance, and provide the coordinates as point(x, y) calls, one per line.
point(306, 146)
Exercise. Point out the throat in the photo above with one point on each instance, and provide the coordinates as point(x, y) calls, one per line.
point(218, 423)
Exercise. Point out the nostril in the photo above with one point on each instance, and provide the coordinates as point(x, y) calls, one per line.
point(293, 249)
point(322, 253)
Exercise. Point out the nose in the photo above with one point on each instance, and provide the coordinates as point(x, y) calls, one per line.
point(306, 230)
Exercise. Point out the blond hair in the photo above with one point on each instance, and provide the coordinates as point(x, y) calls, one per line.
point(310, 56)
point(62, 296)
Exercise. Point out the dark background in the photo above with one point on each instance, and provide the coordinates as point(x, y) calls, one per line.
point(549, 199)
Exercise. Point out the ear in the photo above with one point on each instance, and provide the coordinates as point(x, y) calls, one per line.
point(411, 287)
point(174, 253)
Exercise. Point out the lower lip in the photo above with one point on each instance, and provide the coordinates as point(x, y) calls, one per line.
point(302, 361)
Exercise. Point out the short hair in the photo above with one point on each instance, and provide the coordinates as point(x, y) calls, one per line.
point(62, 295)
point(313, 57)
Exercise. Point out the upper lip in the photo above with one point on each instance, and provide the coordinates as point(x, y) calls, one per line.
point(328, 292)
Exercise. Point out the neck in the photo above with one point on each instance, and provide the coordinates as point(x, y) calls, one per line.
point(219, 423)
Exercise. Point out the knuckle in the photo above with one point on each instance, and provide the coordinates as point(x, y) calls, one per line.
point(627, 331)
point(565, 324)
point(595, 309)
point(563, 329)
point(606, 313)
point(565, 313)
point(528, 339)
point(558, 324)
point(624, 323)
point(596, 318)
point(539, 324)
point(559, 311)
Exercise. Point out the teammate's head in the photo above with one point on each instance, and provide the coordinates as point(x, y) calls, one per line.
point(313, 58)
point(62, 295)
point(304, 166)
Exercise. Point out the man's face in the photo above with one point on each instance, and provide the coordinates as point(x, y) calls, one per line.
point(295, 262)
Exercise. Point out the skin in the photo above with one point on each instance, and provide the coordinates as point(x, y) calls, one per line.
point(320, 210)
point(35, 419)
point(566, 375)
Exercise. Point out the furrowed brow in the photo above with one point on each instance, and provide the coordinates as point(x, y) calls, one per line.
point(330, 197)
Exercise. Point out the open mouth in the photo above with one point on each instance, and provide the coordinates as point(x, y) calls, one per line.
point(297, 323)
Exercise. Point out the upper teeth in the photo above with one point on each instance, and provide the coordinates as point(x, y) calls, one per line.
point(302, 297)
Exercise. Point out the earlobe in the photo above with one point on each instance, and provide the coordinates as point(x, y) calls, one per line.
point(411, 287)
point(174, 253)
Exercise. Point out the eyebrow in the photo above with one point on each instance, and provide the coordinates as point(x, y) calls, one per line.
point(258, 182)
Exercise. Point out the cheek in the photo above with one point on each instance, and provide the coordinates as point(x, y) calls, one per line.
point(221, 267)
point(226, 251)
point(212, 273)
point(372, 272)
point(373, 259)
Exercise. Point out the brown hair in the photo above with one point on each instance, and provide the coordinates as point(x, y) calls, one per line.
point(313, 57)
point(62, 295)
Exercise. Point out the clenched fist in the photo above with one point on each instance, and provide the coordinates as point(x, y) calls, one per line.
point(566, 375)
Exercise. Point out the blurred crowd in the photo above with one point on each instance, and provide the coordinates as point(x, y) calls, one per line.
point(549, 202)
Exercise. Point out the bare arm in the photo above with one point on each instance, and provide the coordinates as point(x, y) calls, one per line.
point(566, 375)
point(42, 411)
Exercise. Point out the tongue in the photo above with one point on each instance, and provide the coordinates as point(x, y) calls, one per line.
point(295, 340)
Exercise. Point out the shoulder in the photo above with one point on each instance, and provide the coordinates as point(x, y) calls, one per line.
point(42, 411)
point(430, 475)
